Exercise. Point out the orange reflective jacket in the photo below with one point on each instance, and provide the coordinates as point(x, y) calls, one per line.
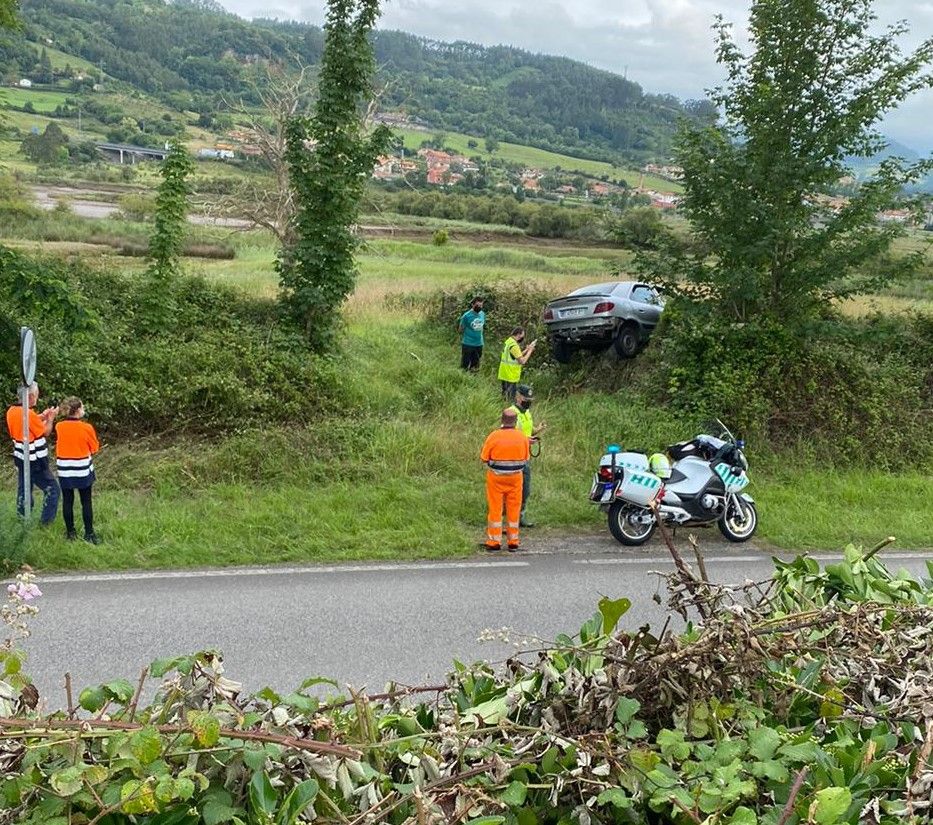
point(75, 443)
point(38, 448)
point(506, 451)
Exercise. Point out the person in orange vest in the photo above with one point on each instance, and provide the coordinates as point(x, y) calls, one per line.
point(75, 445)
point(505, 453)
point(40, 427)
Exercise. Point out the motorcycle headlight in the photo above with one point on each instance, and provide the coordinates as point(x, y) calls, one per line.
point(743, 462)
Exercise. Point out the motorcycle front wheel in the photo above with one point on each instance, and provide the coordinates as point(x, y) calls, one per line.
point(740, 520)
point(626, 531)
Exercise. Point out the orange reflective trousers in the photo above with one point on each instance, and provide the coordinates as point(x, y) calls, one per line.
point(501, 489)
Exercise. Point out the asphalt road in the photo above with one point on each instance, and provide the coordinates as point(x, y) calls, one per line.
point(360, 624)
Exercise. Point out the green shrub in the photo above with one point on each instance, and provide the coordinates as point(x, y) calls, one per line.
point(223, 362)
point(440, 237)
point(851, 391)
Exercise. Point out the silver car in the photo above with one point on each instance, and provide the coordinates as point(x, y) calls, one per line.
point(620, 314)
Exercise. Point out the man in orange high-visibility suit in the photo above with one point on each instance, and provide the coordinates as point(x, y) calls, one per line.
point(505, 453)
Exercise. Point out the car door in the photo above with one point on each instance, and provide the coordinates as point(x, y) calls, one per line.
point(647, 303)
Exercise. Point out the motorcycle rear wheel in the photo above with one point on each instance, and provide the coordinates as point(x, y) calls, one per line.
point(624, 530)
point(739, 527)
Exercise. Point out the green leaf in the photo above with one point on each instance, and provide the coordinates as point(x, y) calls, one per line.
point(549, 760)
point(182, 664)
point(615, 797)
point(146, 745)
point(770, 769)
point(254, 758)
point(763, 742)
point(93, 699)
point(120, 691)
point(317, 680)
point(636, 730)
point(206, 728)
point(644, 760)
point(487, 820)
point(215, 812)
point(514, 795)
point(742, 816)
point(69, 781)
point(262, 796)
point(184, 788)
point(138, 797)
point(626, 709)
point(831, 805)
point(612, 610)
point(297, 801)
point(306, 704)
point(805, 752)
point(672, 744)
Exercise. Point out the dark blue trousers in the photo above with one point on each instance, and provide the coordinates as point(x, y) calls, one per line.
point(40, 476)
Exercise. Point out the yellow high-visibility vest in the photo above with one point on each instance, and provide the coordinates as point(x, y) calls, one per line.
point(509, 368)
point(525, 422)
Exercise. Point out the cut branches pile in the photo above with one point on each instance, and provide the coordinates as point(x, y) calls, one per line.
point(807, 698)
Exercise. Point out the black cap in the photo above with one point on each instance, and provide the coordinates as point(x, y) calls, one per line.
point(476, 298)
point(525, 390)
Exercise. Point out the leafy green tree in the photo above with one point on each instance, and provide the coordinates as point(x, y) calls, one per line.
point(48, 147)
point(330, 156)
point(806, 99)
point(637, 228)
point(491, 144)
point(171, 213)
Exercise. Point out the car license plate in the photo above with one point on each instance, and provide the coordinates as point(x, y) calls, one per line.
point(576, 312)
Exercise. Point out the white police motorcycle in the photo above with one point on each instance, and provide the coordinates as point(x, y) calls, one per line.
point(695, 484)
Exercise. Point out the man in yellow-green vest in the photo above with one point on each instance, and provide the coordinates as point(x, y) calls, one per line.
point(525, 423)
point(512, 360)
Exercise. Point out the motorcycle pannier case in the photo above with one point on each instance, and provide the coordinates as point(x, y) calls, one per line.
point(639, 487)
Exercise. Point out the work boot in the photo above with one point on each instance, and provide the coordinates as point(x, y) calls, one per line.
point(491, 548)
point(524, 522)
point(513, 547)
point(91, 538)
point(71, 535)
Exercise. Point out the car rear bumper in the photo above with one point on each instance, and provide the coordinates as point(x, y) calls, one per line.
point(592, 329)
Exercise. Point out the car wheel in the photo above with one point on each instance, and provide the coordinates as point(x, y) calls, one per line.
point(626, 343)
point(562, 350)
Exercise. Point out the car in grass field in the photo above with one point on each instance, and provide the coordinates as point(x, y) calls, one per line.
point(617, 314)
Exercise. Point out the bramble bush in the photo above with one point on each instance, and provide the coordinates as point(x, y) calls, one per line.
point(771, 704)
point(220, 361)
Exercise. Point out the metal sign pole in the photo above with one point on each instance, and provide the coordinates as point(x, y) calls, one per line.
point(27, 351)
point(27, 469)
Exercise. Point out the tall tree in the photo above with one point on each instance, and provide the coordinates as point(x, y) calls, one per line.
point(807, 98)
point(171, 213)
point(330, 156)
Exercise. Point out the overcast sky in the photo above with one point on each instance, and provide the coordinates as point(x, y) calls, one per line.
point(665, 45)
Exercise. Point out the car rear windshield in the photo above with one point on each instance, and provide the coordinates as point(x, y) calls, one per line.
point(596, 289)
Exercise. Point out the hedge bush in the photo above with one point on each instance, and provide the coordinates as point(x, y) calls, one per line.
point(223, 361)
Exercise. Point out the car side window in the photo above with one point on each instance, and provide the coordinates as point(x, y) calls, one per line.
point(644, 295)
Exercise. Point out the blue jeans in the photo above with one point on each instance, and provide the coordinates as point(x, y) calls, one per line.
point(40, 476)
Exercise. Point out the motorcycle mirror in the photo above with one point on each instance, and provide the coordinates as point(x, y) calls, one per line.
point(612, 449)
point(740, 443)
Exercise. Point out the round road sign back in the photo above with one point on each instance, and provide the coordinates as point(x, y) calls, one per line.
point(27, 350)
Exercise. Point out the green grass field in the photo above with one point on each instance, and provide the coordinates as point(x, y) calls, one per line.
point(42, 101)
point(399, 477)
point(540, 159)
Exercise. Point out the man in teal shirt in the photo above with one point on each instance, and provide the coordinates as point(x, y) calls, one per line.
point(471, 330)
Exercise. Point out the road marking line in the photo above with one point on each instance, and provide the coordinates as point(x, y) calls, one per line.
point(918, 556)
point(273, 571)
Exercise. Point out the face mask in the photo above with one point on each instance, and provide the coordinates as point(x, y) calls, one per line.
point(477, 307)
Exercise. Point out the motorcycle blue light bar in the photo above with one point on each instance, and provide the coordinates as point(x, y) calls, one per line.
point(613, 448)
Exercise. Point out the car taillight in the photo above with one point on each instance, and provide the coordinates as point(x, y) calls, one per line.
point(605, 473)
point(603, 306)
point(549, 315)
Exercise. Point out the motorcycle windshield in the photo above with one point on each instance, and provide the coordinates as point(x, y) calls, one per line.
point(717, 429)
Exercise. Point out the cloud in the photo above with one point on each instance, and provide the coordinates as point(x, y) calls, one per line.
point(664, 45)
